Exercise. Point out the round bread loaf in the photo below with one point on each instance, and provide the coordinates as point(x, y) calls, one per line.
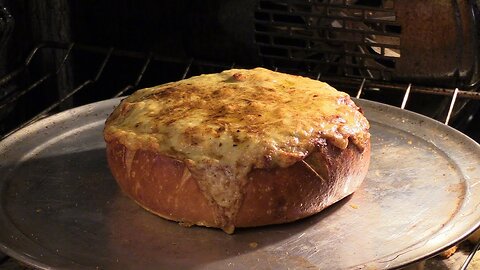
point(239, 148)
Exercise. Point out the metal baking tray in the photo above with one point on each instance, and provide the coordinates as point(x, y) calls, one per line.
point(61, 208)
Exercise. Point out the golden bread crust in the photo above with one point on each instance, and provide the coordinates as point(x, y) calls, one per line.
point(165, 187)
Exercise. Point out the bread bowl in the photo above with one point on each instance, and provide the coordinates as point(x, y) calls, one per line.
point(240, 148)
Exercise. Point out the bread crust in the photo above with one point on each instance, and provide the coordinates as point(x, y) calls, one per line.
point(164, 185)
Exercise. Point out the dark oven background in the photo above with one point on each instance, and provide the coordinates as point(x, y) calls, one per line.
point(59, 54)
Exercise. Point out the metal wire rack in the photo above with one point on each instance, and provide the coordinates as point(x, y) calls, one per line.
point(185, 68)
point(363, 85)
point(303, 33)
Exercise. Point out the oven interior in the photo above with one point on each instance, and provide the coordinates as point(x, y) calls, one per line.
point(419, 55)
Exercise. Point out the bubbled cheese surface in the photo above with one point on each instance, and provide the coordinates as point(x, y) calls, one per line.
point(223, 125)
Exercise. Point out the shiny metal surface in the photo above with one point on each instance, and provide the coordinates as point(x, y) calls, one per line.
point(61, 208)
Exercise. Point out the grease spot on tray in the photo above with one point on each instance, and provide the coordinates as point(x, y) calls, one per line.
point(456, 188)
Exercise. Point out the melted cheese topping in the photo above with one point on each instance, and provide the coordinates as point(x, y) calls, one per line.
point(223, 125)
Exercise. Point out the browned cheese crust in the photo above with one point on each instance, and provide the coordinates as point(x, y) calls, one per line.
point(259, 173)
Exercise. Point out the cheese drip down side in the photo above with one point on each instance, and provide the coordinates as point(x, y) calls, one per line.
point(226, 124)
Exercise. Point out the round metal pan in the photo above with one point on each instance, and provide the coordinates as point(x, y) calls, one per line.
point(61, 208)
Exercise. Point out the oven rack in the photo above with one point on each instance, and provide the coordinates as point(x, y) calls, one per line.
point(357, 86)
point(361, 85)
